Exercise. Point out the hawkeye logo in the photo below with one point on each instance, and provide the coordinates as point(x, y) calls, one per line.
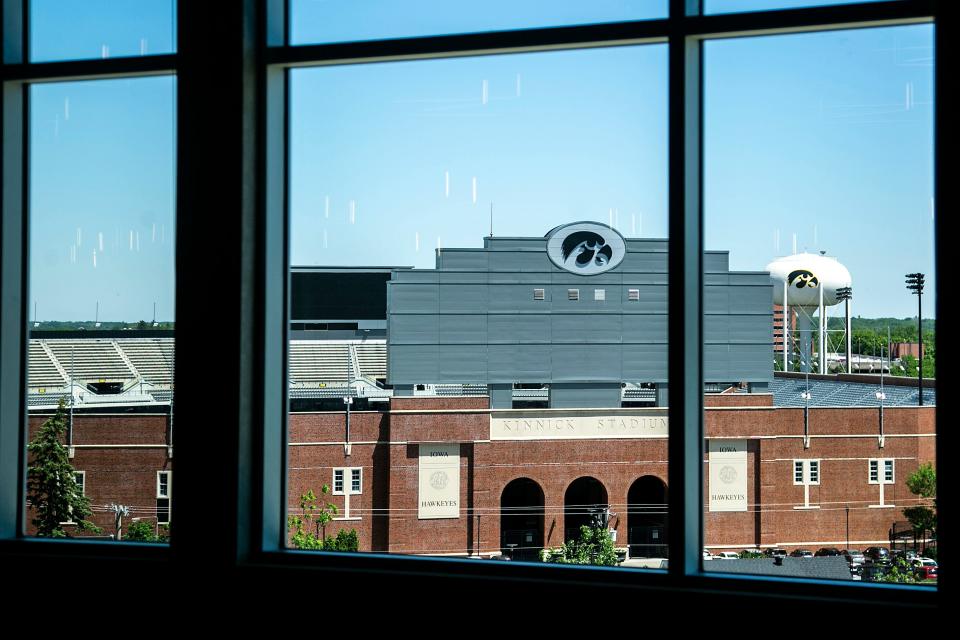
point(586, 248)
point(801, 278)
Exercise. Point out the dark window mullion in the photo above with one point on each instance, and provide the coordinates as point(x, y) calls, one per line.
point(72, 70)
point(685, 343)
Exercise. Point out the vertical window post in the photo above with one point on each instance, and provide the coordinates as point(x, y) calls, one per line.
point(13, 277)
point(685, 294)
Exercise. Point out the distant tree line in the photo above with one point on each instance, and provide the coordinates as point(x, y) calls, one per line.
point(869, 338)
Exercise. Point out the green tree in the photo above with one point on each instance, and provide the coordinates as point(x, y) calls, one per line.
point(901, 571)
point(923, 483)
point(594, 546)
point(345, 541)
point(141, 531)
point(51, 482)
point(308, 529)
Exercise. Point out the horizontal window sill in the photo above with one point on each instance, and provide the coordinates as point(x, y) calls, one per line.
point(25, 559)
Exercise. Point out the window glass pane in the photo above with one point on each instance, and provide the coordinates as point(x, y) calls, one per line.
point(819, 177)
point(101, 282)
point(733, 6)
point(75, 29)
point(355, 480)
point(342, 20)
point(430, 202)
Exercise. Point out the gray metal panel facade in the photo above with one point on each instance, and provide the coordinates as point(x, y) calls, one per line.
point(570, 396)
point(475, 319)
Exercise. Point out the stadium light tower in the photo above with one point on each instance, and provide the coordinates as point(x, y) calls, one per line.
point(844, 294)
point(915, 284)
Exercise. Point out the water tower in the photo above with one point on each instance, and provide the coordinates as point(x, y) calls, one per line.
point(807, 282)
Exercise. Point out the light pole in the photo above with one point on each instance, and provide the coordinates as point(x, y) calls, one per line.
point(847, 509)
point(915, 284)
point(844, 294)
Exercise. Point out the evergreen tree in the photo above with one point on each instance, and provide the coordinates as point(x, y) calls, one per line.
point(51, 483)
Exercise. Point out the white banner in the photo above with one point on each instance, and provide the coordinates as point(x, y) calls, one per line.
point(581, 426)
point(728, 475)
point(439, 495)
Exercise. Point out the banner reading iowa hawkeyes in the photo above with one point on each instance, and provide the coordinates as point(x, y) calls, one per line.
point(439, 495)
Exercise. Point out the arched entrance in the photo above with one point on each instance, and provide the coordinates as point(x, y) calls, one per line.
point(521, 520)
point(647, 518)
point(584, 503)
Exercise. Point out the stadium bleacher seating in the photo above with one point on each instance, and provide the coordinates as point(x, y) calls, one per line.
point(90, 360)
point(43, 371)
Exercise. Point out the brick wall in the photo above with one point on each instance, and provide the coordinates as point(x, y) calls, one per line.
point(120, 455)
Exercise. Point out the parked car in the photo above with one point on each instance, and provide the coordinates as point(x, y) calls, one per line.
point(707, 555)
point(877, 555)
point(727, 555)
point(853, 556)
point(909, 554)
point(775, 552)
point(801, 553)
point(926, 568)
point(826, 552)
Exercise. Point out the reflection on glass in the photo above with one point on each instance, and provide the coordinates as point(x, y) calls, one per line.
point(316, 21)
point(70, 29)
point(101, 351)
point(818, 177)
point(478, 333)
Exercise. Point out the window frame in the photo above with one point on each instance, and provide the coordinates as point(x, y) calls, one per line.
point(231, 66)
point(341, 471)
point(881, 465)
point(807, 466)
point(347, 491)
point(169, 476)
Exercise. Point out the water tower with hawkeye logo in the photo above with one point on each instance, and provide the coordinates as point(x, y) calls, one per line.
point(804, 284)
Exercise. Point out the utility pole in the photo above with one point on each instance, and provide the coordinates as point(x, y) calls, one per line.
point(119, 511)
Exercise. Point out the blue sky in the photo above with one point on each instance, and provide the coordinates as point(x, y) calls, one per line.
point(824, 136)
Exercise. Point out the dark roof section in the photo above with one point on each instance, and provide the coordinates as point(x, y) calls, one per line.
point(328, 293)
point(824, 568)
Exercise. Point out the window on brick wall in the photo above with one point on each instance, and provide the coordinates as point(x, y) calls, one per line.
point(807, 474)
point(881, 474)
point(164, 496)
point(348, 482)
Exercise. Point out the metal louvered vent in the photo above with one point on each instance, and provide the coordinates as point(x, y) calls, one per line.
point(573, 294)
point(538, 294)
point(633, 294)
